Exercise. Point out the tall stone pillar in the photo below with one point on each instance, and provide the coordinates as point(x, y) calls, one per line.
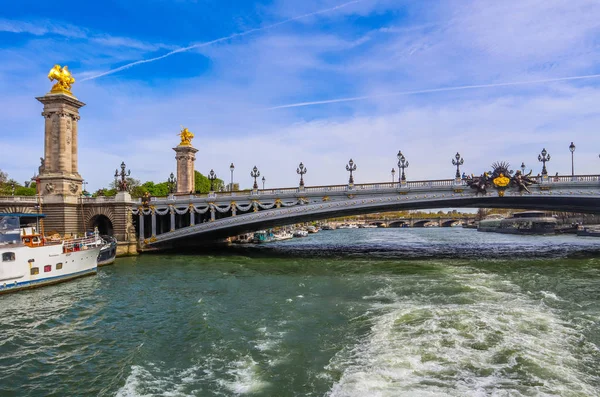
point(59, 173)
point(185, 154)
point(59, 181)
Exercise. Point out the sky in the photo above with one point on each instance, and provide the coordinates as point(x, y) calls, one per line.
point(278, 82)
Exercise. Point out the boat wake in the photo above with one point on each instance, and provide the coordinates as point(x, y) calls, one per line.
point(484, 338)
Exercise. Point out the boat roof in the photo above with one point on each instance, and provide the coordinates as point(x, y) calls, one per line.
point(23, 215)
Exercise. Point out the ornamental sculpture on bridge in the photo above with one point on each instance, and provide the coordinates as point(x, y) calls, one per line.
point(186, 137)
point(63, 78)
point(500, 178)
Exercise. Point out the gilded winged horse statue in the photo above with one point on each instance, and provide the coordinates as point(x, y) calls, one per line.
point(63, 78)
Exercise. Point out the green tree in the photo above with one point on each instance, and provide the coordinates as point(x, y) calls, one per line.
point(25, 191)
point(203, 183)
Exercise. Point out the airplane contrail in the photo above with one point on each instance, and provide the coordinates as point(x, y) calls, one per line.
point(464, 87)
point(199, 45)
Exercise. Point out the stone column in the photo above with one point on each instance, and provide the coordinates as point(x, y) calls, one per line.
point(141, 226)
point(172, 211)
point(192, 217)
point(59, 175)
point(153, 223)
point(74, 147)
point(185, 156)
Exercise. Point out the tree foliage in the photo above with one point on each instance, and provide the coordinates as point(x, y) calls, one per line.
point(8, 187)
point(203, 183)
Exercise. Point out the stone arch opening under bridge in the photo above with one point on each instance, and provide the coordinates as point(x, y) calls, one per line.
point(102, 218)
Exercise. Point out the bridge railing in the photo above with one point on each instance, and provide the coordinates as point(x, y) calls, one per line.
point(381, 186)
point(98, 199)
point(21, 199)
point(573, 178)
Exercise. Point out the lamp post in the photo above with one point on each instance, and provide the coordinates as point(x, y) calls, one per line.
point(572, 149)
point(263, 181)
point(231, 168)
point(121, 185)
point(457, 161)
point(12, 184)
point(523, 167)
point(393, 176)
point(211, 177)
point(301, 170)
point(171, 182)
point(402, 164)
point(351, 167)
point(84, 183)
point(255, 173)
point(544, 157)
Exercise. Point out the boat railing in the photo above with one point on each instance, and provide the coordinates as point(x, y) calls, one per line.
point(81, 243)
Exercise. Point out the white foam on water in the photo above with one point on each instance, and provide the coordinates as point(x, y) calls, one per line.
point(153, 380)
point(505, 343)
point(246, 377)
point(550, 295)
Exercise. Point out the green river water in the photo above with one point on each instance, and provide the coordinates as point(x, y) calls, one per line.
point(366, 312)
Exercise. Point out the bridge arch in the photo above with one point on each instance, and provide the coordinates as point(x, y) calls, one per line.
point(100, 217)
point(421, 223)
point(448, 223)
point(401, 223)
point(298, 209)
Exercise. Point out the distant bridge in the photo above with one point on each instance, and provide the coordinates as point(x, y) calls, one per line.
point(184, 219)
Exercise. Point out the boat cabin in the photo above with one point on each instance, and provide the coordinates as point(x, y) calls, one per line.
point(21, 229)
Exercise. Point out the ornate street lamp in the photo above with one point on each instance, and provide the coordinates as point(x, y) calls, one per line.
point(572, 149)
point(523, 167)
point(393, 175)
point(121, 185)
point(402, 164)
point(171, 183)
point(231, 168)
point(84, 183)
point(255, 173)
point(544, 157)
point(351, 167)
point(211, 177)
point(263, 181)
point(301, 170)
point(457, 161)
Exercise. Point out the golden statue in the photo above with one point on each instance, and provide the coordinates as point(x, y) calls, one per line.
point(63, 78)
point(186, 137)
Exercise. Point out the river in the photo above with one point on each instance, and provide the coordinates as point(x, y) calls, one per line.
point(359, 312)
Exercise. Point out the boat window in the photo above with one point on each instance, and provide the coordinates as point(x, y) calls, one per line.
point(35, 270)
point(8, 257)
point(47, 268)
point(58, 266)
point(26, 240)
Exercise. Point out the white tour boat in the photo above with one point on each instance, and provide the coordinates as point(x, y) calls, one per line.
point(282, 235)
point(28, 260)
point(300, 233)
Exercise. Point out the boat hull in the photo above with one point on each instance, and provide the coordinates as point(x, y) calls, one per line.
point(46, 281)
point(40, 266)
point(108, 254)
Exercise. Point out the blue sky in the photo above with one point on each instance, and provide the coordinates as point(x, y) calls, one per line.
point(250, 60)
